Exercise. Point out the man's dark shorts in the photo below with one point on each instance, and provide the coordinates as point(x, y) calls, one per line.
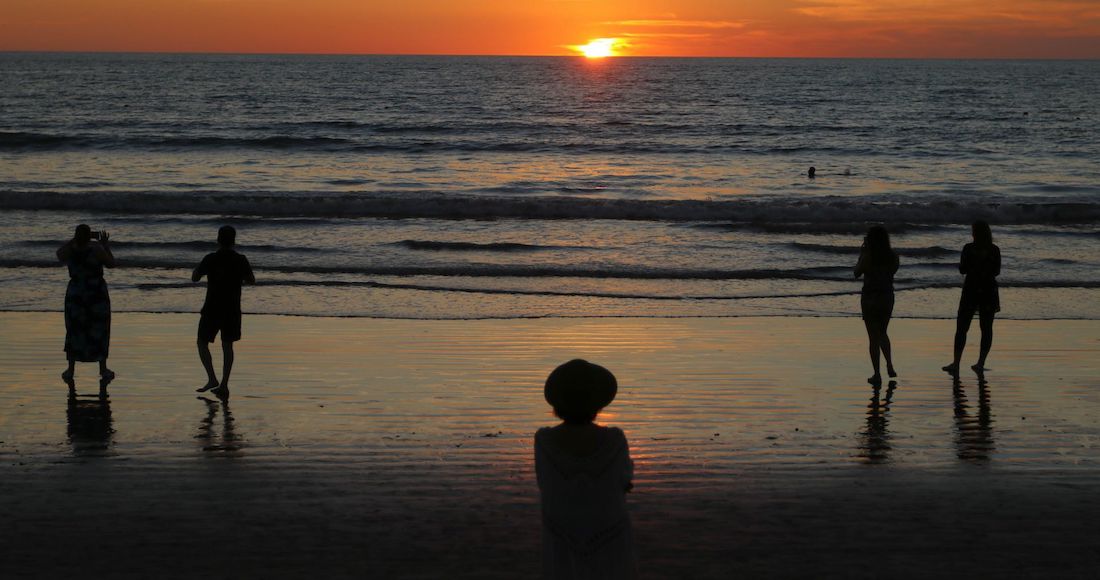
point(229, 324)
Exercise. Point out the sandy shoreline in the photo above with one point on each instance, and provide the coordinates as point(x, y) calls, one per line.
point(401, 449)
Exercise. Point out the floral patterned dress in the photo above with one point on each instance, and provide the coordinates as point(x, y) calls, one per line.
point(87, 308)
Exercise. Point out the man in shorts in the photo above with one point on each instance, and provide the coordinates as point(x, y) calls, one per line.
point(226, 271)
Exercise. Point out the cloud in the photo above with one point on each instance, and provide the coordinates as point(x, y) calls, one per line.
point(1052, 13)
point(664, 35)
point(676, 23)
point(662, 32)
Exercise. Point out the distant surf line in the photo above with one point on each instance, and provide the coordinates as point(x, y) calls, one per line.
point(829, 214)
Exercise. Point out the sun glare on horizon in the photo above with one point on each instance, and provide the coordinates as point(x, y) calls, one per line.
point(599, 47)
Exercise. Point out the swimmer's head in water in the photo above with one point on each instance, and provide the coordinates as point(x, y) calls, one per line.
point(811, 172)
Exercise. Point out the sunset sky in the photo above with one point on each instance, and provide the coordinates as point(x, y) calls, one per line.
point(853, 28)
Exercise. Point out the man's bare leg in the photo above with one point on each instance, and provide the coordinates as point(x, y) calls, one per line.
point(227, 368)
point(208, 364)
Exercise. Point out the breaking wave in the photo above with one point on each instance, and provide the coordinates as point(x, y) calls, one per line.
point(794, 214)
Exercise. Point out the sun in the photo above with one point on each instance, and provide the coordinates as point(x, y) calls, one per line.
point(598, 47)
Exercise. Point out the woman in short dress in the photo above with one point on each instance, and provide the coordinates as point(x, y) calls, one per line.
point(87, 304)
point(981, 264)
point(877, 265)
point(584, 472)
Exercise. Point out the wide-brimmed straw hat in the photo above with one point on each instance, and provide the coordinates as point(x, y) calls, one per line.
point(580, 387)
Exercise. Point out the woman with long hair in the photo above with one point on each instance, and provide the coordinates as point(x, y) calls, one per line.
point(981, 264)
point(87, 303)
point(878, 263)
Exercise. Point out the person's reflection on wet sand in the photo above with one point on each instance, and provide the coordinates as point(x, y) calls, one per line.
point(973, 435)
point(215, 444)
point(90, 427)
point(874, 445)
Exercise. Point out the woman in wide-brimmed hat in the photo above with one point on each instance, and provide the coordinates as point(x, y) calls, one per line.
point(584, 471)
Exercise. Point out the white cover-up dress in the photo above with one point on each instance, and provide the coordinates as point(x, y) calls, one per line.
point(585, 526)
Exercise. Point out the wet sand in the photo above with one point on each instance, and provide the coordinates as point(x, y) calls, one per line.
point(402, 449)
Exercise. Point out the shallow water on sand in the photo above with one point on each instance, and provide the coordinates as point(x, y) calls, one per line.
point(700, 399)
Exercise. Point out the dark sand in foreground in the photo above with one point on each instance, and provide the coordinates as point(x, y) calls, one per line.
point(402, 449)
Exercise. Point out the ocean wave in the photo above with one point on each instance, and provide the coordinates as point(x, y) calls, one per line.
point(1059, 261)
point(196, 245)
point(23, 140)
point(433, 140)
point(789, 214)
point(474, 247)
point(834, 273)
point(928, 252)
point(845, 228)
point(1061, 232)
point(157, 286)
point(26, 140)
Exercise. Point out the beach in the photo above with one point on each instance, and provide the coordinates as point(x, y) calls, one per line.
point(432, 235)
point(403, 449)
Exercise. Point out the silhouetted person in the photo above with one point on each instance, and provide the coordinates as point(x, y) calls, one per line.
point(981, 263)
point(87, 303)
point(584, 471)
point(878, 263)
point(226, 271)
point(812, 173)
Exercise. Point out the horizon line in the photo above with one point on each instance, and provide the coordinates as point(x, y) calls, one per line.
point(577, 56)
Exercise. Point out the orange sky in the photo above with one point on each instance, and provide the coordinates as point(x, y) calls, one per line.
point(873, 28)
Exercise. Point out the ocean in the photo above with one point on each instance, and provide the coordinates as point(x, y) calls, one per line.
point(497, 187)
